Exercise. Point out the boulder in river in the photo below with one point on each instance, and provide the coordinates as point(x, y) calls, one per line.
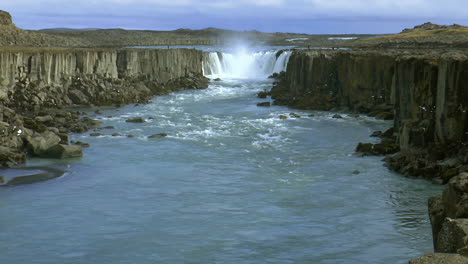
point(64, 152)
point(138, 119)
point(263, 94)
point(41, 142)
point(264, 104)
point(159, 135)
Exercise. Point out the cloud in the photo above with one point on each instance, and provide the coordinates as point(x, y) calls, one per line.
point(253, 14)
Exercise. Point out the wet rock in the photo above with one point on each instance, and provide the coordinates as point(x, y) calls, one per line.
point(337, 116)
point(294, 115)
point(39, 143)
point(159, 135)
point(264, 104)
point(356, 172)
point(131, 136)
point(263, 94)
point(98, 112)
point(382, 148)
point(217, 80)
point(136, 120)
point(61, 151)
point(452, 236)
point(283, 117)
point(80, 143)
point(95, 134)
point(116, 134)
point(108, 127)
point(376, 134)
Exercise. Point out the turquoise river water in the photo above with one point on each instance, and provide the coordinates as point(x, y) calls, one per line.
point(232, 183)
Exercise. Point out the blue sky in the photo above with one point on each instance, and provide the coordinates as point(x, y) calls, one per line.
point(308, 16)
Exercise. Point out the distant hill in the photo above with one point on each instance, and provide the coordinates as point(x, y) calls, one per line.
point(427, 35)
point(10, 35)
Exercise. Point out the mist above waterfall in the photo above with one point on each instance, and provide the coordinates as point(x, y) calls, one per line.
point(242, 62)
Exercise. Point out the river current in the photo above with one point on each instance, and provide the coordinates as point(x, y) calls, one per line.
point(232, 183)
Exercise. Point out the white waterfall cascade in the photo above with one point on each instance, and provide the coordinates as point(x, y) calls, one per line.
point(244, 65)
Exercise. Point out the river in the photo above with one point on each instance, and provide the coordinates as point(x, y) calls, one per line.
point(232, 183)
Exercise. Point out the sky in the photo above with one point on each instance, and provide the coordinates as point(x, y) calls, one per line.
point(300, 16)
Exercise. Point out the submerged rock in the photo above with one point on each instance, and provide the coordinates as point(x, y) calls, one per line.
point(159, 135)
point(79, 143)
point(283, 117)
point(294, 115)
point(136, 120)
point(337, 116)
point(28, 175)
point(264, 104)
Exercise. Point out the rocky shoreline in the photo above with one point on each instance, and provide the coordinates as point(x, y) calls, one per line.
point(38, 89)
point(423, 92)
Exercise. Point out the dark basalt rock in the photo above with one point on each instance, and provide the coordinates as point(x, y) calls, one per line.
point(80, 143)
point(159, 135)
point(264, 104)
point(136, 120)
point(382, 148)
point(337, 116)
point(263, 94)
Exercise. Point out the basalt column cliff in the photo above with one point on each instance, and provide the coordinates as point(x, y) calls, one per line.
point(427, 96)
point(33, 81)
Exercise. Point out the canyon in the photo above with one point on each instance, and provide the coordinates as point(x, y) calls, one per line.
point(422, 90)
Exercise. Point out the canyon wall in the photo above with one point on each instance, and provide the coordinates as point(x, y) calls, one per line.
point(424, 93)
point(427, 96)
point(60, 78)
point(36, 85)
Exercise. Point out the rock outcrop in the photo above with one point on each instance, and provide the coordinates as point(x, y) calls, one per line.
point(423, 92)
point(5, 18)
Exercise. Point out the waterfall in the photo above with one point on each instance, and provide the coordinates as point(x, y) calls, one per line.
point(244, 64)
